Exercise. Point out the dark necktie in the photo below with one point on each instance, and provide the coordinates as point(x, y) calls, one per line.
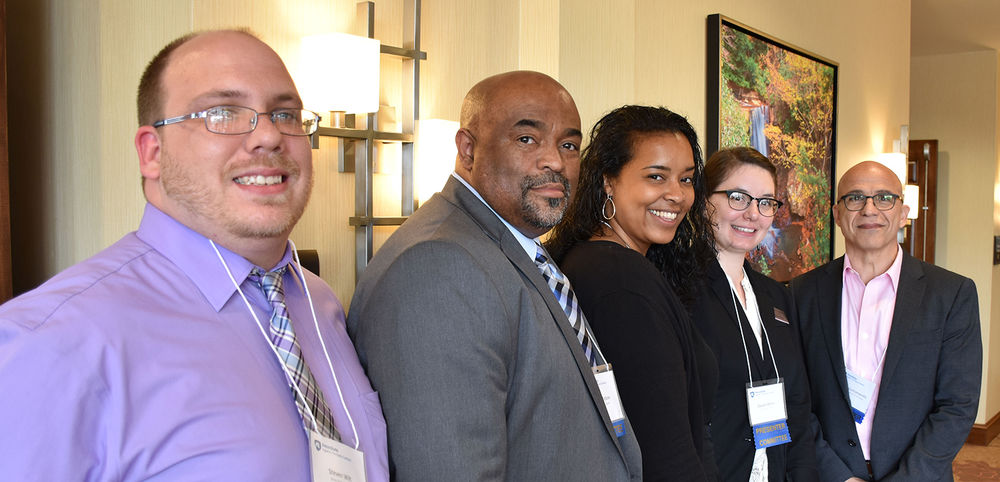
point(567, 299)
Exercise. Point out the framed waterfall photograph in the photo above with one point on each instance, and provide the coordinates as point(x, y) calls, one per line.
point(782, 101)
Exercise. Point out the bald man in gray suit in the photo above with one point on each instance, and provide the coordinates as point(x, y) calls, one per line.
point(480, 372)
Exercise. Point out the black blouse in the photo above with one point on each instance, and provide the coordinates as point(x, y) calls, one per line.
point(665, 372)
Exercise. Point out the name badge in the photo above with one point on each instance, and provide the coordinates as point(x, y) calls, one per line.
point(861, 390)
point(609, 391)
point(768, 415)
point(332, 461)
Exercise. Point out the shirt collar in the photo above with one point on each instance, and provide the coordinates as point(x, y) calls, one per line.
point(192, 253)
point(530, 245)
point(892, 272)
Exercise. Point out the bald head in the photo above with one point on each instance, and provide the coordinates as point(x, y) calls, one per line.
point(870, 232)
point(496, 91)
point(868, 171)
point(518, 146)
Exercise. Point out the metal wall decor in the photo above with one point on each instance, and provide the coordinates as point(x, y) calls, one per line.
point(358, 154)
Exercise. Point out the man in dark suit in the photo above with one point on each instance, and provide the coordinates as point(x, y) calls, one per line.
point(892, 345)
point(479, 369)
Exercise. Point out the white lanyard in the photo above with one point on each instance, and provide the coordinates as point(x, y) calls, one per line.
point(763, 329)
point(281, 363)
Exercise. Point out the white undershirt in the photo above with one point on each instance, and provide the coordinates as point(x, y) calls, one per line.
point(750, 308)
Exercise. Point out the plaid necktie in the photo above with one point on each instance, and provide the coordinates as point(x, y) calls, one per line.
point(284, 341)
point(567, 299)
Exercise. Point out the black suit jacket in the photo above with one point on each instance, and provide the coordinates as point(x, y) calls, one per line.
point(929, 391)
point(716, 318)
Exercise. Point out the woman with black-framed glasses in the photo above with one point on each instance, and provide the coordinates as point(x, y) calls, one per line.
point(760, 421)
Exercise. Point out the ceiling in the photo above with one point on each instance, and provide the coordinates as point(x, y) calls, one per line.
point(952, 26)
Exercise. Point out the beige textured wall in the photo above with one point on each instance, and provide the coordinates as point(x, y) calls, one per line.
point(80, 189)
point(954, 99)
point(992, 363)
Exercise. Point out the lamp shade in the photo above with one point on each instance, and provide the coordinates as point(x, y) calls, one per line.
point(339, 73)
point(911, 197)
point(896, 161)
point(435, 155)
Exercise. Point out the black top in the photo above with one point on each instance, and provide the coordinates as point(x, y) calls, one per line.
point(665, 372)
point(715, 317)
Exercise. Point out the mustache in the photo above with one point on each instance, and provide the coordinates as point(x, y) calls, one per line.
point(273, 161)
point(529, 182)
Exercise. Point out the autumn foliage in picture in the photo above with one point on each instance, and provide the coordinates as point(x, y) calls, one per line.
point(783, 104)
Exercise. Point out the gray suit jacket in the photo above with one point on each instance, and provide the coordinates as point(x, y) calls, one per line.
point(479, 372)
point(929, 392)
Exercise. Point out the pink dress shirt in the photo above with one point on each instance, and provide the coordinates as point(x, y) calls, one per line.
point(865, 321)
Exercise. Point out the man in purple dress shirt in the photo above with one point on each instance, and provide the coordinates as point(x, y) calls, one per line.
point(145, 361)
point(892, 345)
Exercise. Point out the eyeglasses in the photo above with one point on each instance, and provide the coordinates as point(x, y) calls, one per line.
point(740, 200)
point(856, 201)
point(234, 119)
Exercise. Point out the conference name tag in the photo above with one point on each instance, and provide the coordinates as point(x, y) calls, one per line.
point(332, 461)
point(861, 390)
point(609, 392)
point(768, 415)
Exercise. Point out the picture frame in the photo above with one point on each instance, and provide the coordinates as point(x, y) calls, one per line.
point(781, 100)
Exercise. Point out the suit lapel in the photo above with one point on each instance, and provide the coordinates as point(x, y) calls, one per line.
point(766, 307)
point(829, 291)
point(721, 290)
point(909, 292)
point(512, 249)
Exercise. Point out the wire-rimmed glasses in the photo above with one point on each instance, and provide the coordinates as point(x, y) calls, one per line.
point(234, 120)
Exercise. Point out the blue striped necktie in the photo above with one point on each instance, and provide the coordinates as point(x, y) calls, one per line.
point(567, 299)
point(291, 354)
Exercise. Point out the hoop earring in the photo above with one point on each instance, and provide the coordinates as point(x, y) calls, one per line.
point(604, 209)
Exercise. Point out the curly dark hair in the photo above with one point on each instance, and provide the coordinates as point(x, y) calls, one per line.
point(612, 141)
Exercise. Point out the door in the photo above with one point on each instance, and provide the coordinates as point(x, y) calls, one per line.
point(6, 282)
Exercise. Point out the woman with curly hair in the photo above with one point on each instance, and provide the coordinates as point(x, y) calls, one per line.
point(634, 235)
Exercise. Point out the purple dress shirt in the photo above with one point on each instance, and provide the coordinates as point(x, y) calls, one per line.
point(143, 362)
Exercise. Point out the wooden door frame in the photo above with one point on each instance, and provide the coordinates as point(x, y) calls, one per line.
point(6, 280)
point(922, 171)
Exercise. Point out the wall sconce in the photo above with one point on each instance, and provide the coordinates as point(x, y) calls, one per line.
point(339, 73)
point(895, 161)
point(358, 145)
point(911, 197)
point(435, 155)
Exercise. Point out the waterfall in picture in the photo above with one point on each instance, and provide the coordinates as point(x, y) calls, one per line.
point(758, 119)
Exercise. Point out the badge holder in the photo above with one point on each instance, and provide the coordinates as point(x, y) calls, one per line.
point(768, 415)
point(333, 461)
point(609, 392)
point(861, 390)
